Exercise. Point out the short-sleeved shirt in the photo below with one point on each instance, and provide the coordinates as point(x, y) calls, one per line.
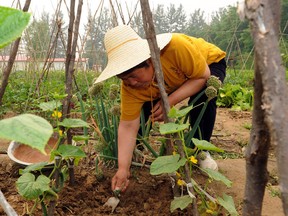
point(183, 58)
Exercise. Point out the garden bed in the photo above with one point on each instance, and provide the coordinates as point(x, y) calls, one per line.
point(150, 195)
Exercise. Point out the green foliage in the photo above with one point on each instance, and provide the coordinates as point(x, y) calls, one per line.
point(31, 188)
point(228, 203)
point(242, 77)
point(69, 151)
point(205, 145)
point(174, 163)
point(171, 127)
point(236, 97)
point(180, 202)
point(12, 24)
point(166, 164)
point(107, 119)
point(73, 123)
point(27, 129)
point(20, 93)
point(218, 176)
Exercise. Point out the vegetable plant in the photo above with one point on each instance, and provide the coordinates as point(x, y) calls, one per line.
point(174, 164)
point(236, 97)
point(35, 132)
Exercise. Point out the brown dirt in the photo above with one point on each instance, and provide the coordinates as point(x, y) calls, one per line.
point(149, 195)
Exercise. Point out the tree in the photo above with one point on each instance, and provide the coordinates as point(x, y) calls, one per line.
point(196, 26)
point(170, 20)
point(270, 113)
point(160, 21)
point(37, 37)
point(176, 19)
point(94, 49)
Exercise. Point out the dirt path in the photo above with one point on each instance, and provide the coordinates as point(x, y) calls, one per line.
point(150, 195)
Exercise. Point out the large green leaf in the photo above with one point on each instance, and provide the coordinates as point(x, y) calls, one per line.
point(50, 106)
point(28, 129)
point(33, 167)
point(69, 151)
point(180, 202)
point(176, 113)
point(169, 128)
point(205, 145)
point(30, 188)
point(12, 24)
point(73, 123)
point(228, 203)
point(218, 176)
point(166, 164)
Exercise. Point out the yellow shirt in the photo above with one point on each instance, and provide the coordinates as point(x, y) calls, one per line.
point(183, 58)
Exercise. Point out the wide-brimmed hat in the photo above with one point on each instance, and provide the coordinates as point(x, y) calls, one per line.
point(126, 49)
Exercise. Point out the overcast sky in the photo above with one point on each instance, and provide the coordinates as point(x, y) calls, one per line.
point(209, 6)
point(38, 6)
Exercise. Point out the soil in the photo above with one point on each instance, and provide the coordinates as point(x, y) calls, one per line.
point(150, 195)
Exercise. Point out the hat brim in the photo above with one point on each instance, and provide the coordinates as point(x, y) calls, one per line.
point(130, 55)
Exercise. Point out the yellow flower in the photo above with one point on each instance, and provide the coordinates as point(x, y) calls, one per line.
point(60, 133)
point(180, 182)
point(56, 114)
point(193, 160)
point(208, 211)
point(174, 153)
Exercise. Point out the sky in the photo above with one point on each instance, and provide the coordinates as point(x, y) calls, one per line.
point(208, 6)
point(38, 6)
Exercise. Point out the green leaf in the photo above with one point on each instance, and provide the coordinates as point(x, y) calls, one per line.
point(180, 202)
point(175, 113)
point(80, 138)
point(171, 127)
point(34, 167)
point(69, 151)
point(73, 123)
point(205, 145)
point(50, 194)
point(166, 164)
point(218, 176)
point(30, 188)
point(50, 106)
point(28, 129)
point(228, 203)
point(59, 96)
point(12, 24)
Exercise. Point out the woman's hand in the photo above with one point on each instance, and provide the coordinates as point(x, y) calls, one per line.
point(157, 112)
point(120, 180)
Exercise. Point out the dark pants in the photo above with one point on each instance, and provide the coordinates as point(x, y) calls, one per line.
point(208, 120)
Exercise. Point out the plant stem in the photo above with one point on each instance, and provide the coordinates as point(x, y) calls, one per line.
point(195, 126)
point(148, 146)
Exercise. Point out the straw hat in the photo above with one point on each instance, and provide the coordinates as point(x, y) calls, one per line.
point(126, 49)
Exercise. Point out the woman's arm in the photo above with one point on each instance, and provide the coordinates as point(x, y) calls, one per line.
point(187, 89)
point(127, 134)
